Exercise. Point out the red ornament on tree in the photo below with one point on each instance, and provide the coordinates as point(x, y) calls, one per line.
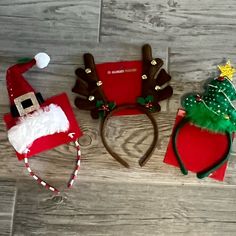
point(198, 98)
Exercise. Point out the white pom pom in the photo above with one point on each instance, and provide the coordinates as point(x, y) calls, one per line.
point(42, 60)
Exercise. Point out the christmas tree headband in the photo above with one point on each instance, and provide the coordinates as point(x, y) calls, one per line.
point(213, 111)
point(34, 124)
point(153, 88)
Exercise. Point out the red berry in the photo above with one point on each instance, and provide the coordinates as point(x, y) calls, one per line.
point(221, 78)
point(198, 98)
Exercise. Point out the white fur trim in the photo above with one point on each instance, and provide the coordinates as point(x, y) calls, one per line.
point(42, 60)
point(45, 121)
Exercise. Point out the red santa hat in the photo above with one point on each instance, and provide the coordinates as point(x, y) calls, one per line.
point(34, 124)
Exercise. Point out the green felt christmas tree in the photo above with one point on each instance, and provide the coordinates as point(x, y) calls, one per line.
point(214, 110)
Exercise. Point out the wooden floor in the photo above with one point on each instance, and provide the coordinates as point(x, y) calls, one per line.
point(192, 37)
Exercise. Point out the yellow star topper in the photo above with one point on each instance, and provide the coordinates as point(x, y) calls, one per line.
point(227, 70)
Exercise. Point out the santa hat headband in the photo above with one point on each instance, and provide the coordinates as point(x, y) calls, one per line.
point(35, 125)
point(212, 111)
point(154, 88)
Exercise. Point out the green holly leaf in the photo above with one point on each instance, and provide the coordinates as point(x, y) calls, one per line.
point(149, 98)
point(141, 101)
point(99, 103)
point(111, 105)
point(24, 60)
point(153, 109)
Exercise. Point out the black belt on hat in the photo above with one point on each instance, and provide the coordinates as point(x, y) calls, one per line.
point(27, 103)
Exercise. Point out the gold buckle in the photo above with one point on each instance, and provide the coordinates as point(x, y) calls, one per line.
point(18, 102)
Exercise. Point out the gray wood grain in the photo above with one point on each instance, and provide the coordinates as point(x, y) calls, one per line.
point(107, 208)
point(108, 199)
point(176, 23)
point(7, 204)
point(129, 132)
point(59, 75)
point(28, 27)
point(50, 21)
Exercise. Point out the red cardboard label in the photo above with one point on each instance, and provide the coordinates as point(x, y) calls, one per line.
point(199, 149)
point(121, 83)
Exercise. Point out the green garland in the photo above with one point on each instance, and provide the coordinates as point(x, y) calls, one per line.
point(202, 116)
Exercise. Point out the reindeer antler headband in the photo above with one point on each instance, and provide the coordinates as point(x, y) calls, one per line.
point(92, 97)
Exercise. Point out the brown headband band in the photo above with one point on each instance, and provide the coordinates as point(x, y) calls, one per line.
point(143, 160)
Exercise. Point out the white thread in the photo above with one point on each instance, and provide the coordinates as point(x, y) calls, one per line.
point(222, 91)
point(209, 108)
point(212, 86)
point(232, 84)
point(228, 100)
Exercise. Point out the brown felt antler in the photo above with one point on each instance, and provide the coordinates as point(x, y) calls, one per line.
point(88, 85)
point(153, 83)
point(153, 80)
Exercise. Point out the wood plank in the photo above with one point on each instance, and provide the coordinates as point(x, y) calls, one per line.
point(7, 203)
point(59, 75)
point(28, 27)
point(124, 135)
point(208, 24)
point(190, 65)
point(106, 208)
point(49, 21)
point(109, 199)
